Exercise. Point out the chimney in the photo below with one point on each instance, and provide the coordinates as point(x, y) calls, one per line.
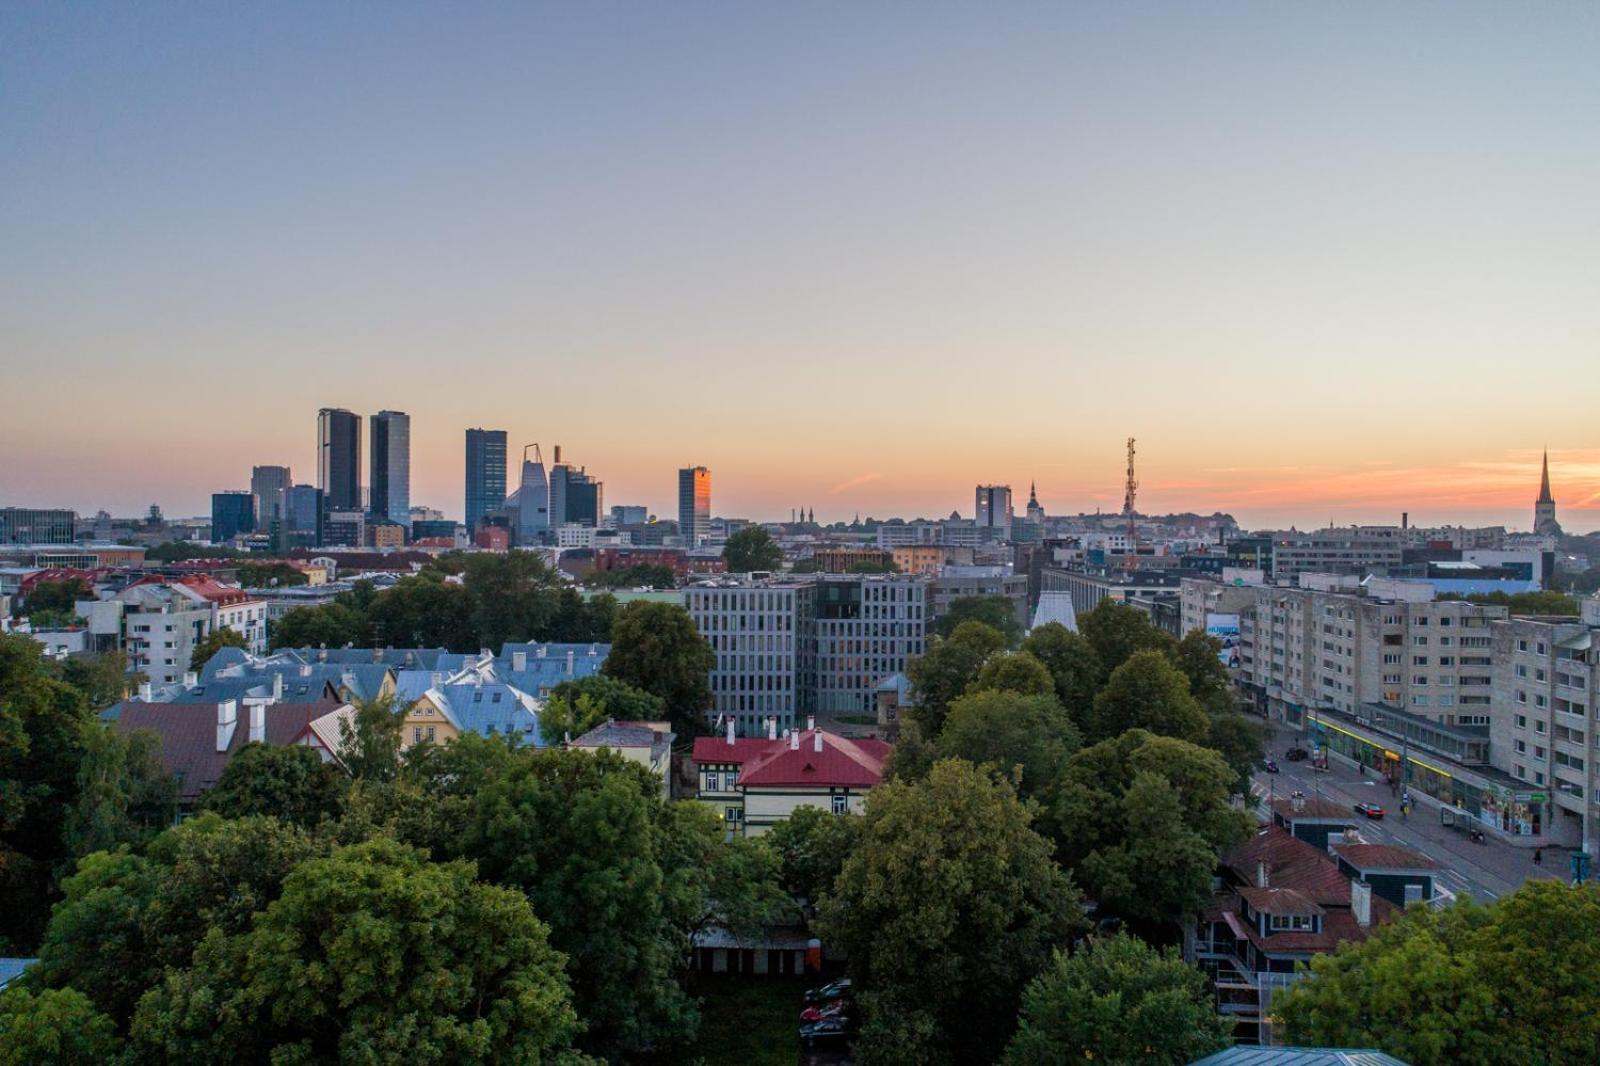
point(377, 655)
point(794, 740)
point(227, 721)
point(147, 691)
point(772, 728)
point(435, 679)
point(1297, 802)
point(1361, 902)
point(277, 687)
point(816, 740)
point(258, 723)
point(322, 654)
point(519, 661)
point(811, 721)
point(541, 651)
point(1261, 873)
point(190, 679)
point(569, 663)
point(730, 730)
point(305, 669)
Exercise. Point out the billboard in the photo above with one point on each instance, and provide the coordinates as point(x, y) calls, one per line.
point(1225, 629)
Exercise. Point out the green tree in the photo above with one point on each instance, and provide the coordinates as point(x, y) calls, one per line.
point(43, 724)
point(947, 670)
point(613, 698)
point(267, 575)
point(102, 677)
point(947, 909)
point(1513, 982)
point(1119, 1002)
point(1074, 668)
point(1147, 692)
point(57, 597)
point(752, 548)
point(1116, 632)
point(435, 794)
point(1014, 671)
point(580, 833)
point(1241, 742)
point(1140, 820)
point(812, 845)
point(997, 612)
point(369, 742)
point(372, 954)
point(423, 612)
point(1523, 603)
point(1028, 738)
point(711, 880)
point(213, 642)
point(56, 1027)
point(331, 625)
point(656, 648)
point(566, 717)
point(290, 782)
point(1199, 657)
point(125, 794)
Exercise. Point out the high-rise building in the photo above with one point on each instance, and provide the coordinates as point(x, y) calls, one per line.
point(232, 513)
point(992, 509)
point(339, 458)
point(629, 515)
point(389, 486)
point(270, 484)
point(305, 514)
point(486, 474)
point(1544, 509)
point(533, 499)
point(694, 504)
point(576, 498)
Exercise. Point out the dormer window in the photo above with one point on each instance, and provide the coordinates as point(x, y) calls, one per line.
point(1292, 923)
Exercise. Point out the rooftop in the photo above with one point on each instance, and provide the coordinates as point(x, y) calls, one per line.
point(1383, 857)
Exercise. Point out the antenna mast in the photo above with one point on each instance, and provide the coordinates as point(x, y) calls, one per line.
point(1130, 492)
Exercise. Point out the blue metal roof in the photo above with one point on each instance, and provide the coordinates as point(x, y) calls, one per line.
point(1298, 1056)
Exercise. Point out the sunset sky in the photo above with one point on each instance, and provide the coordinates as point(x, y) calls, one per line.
point(1326, 262)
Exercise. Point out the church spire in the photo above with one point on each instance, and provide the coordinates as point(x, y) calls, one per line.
point(1544, 481)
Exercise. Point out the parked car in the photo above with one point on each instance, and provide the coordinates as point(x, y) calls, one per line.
point(827, 1031)
point(1296, 753)
point(1371, 810)
point(829, 992)
point(1270, 766)
point(818, 1011)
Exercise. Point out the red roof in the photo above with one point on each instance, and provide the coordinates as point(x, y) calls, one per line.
point(1291, 863)
point(1383, 857)
point(841, 763)
point(188, 733)
point(741, 751)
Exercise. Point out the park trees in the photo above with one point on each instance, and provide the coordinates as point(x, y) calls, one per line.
point(1120, 1002)
point(1028, 738)
point(655, 648)
point(950, 665)
point(1075, 669)
point(1146, 692)
point(997, 612)
point(290, 782)
point(947, 907)
point(1116, 631)
point(751, 548)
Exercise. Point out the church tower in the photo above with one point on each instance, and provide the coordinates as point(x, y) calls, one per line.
point(1035, 511)
point(1544, 510)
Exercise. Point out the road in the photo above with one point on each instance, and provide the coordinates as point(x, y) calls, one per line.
point(1485, 871)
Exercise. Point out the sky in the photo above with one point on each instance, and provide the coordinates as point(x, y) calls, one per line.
point(1325, 262)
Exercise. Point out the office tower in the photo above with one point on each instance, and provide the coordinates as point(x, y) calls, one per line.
point(270, 485)
point(339, 458)
point(389, 487)
point(993, 509)
point(232, 513)
point(576, 498)
point(533, 499)
point(304, 503)
point(694, 504)
point(486, 474)
point(29, 525)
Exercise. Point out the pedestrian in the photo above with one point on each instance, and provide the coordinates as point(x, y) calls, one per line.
point(1538, 856)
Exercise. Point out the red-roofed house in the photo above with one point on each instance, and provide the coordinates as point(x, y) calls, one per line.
point(753, 783)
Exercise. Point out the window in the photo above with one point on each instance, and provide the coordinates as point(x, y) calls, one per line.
point(1521, 747)
point(841, 804)
point(416, 734)
point(430, 734)
point(1419, 660)
point(1522, 721)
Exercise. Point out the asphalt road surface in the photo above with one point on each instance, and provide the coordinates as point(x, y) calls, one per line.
point(1485, 871)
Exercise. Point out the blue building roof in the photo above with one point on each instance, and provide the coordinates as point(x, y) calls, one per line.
point(1298, 1056)
point(11, 969)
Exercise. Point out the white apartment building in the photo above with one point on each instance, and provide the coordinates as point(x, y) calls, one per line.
point(1350, 549)
point(867, 629)
point(764, 638)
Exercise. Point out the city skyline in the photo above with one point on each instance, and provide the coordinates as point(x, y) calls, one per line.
point(1323, 265)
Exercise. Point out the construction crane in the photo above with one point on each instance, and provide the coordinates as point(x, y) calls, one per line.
point(1130, 492)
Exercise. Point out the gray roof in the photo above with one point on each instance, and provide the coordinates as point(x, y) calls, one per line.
point(11, 969)
point(614, 734)
point(1298, 1056)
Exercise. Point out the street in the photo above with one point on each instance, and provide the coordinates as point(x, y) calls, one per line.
point(1485, 871)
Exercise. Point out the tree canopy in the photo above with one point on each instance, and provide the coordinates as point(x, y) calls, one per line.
point(213, 642)
point(1075, 669)
point(1028, 738)
point(947, 908)
point(655, 648)
point(997, 612)
point(1116, 632)
point(751, 548)
point(1147, 692)
point(950, 665)
point(1120, 1002)
point(287, 781)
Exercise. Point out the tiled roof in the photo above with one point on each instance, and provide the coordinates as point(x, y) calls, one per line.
point(1278, 901)
point(1291, 863)
point(615, 734)
point(188, 735)
point(1383, 857)
point(840, 763)
point(1313, 808)
point(718, 750)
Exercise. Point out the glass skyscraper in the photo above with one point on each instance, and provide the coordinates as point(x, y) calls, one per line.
point(389, 487)
point(694, 504)
point(339, 458)
point(486, 474)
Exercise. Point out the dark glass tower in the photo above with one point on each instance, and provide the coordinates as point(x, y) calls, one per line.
point(486, 474)
point(339, 458)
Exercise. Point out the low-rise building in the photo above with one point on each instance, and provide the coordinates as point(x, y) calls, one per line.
point(647, 743)
point(754, 783)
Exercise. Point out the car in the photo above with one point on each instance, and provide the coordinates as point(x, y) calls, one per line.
point(1296, 754)
point(1371, 810)
point(827, 1031)
point(818, 1011)
point(1270, 766)
point(829, 992)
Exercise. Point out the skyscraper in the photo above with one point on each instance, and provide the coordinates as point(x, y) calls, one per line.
point(339, 458)
point(1544, 509)
point(576, 498)
point(389, 487)
point(304, 503)
point(270, 484)
point(993, 509)
point(694, 504)
point(232, 513)
point(486, 474)
point(533, 499)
